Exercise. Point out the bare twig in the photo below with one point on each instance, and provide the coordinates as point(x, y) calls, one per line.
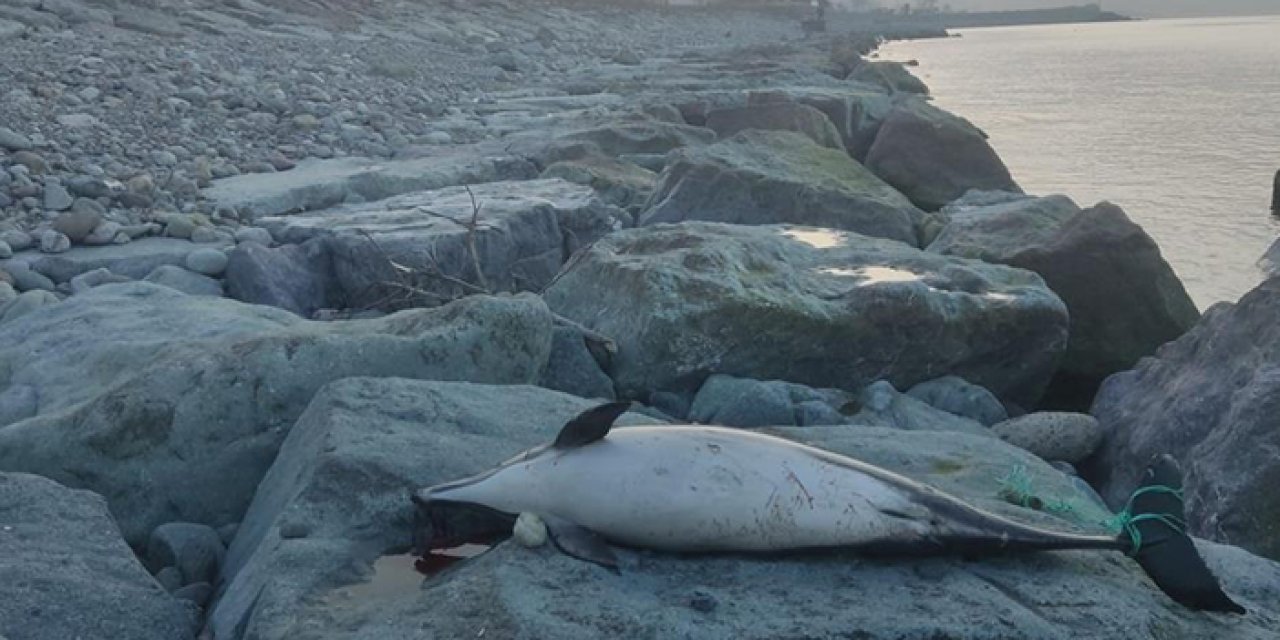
point(591, 335)
point(471, 238)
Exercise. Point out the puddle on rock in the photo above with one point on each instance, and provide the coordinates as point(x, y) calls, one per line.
point(398, 574)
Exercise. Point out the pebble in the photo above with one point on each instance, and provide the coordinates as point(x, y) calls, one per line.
point(188, 282)
point(54, 242)
point(87, 186)
point(529, 530)
point(11, 140)
point(438, 137)
point(209, 235)
point(177, 225)
point(104, 234)
point(17, 240)
point(27, 302)
point(169, 578)
point(34, 163)
point(194, 549)
point(83, 218)
point(7, 294)
point(254, 234)
point(198, 593)
point(25, 279)
point(6, 251)
point(210, 262)
point(94, 278)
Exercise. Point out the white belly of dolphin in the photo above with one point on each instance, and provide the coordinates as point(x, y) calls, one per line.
point(705, 489)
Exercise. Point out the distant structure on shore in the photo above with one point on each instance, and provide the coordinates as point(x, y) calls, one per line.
point(1275, 194)
point(926, 13)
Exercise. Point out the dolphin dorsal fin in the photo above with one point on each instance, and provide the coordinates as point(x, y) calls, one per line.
point(590, 425)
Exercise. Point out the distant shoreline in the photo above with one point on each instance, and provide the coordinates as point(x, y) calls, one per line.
point(893, 23)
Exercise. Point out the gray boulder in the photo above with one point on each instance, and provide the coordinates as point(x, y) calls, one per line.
point(993, 225)
point(772, 177)
point(416, 249)
point(881, 405)
point(856, 110)
point(297, 277)
point(687, 301)
point(1212, 400)
point(172, 407)
point(889, 75)
point(1124, 299)
point(934, 157)
point(314, 527)
point(617, 182)
point(740, 402)
point(209, 262)
point(640, 137)
point(1053, 435)
point(65, 572)
point(342, 572)
point(777, 116)
point(958, 397)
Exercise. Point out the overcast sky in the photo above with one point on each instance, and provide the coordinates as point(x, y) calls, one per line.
point(1151, 8)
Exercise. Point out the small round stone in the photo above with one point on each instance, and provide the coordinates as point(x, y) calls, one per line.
point(54, 242)
point(529, 530)
point(210, 262)
point(1069, 437)
point(254, 234)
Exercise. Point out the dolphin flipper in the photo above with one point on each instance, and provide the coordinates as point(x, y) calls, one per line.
point(581, 543)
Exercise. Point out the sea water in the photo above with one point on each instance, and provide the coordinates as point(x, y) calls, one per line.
point(1176, 121)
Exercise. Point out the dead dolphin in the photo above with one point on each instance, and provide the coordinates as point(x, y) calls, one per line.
point(697, 489)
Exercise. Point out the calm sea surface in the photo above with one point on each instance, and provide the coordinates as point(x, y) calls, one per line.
point(1177, 121)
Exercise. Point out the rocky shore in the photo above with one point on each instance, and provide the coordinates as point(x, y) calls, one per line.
point(265, 267)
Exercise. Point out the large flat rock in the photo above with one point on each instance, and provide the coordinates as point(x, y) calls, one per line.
point(172, 406)
point(424, 248)
point(132, 260)
point(65, 572)
point(341, 482)
point(318, 184)
point(824, 308)
point(777, 177)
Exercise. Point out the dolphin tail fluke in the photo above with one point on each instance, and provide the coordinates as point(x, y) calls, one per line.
point(1154, 528)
